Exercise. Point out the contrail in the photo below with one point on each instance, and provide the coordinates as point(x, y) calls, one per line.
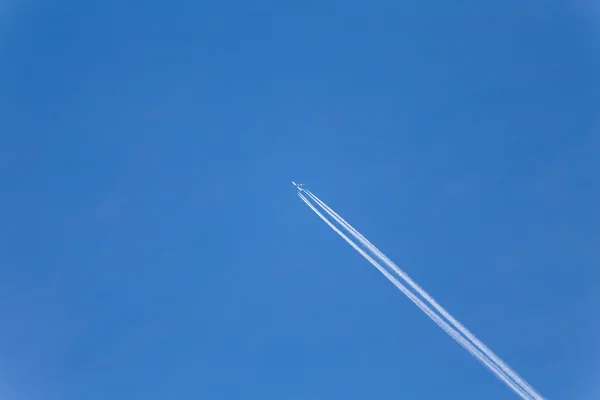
point(428, 311)
point(513, 375)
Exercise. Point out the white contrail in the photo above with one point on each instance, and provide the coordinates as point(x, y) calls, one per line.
point(513, 375)
point(428, 311)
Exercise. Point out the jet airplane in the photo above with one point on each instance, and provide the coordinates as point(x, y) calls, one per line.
point(298, 185)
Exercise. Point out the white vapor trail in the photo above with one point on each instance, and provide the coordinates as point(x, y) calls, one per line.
point(501, 364)
point(492, 362)
point(427, 310)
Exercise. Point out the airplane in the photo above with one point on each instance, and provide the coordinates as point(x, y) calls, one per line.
point(298, 185)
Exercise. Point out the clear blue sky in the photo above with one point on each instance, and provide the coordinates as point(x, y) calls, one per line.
point(152, 245)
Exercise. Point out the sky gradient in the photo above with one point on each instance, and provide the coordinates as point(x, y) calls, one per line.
point(152, 245)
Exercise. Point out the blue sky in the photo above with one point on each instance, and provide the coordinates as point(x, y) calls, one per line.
point(152, 246)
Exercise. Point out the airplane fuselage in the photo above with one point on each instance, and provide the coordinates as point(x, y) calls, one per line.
point(298, 185)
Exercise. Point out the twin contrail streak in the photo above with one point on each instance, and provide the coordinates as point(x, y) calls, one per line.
point(436, 318)
point(512, 374)
point(465, 338)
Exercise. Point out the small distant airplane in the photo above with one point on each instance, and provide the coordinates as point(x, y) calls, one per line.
point(298, 185)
